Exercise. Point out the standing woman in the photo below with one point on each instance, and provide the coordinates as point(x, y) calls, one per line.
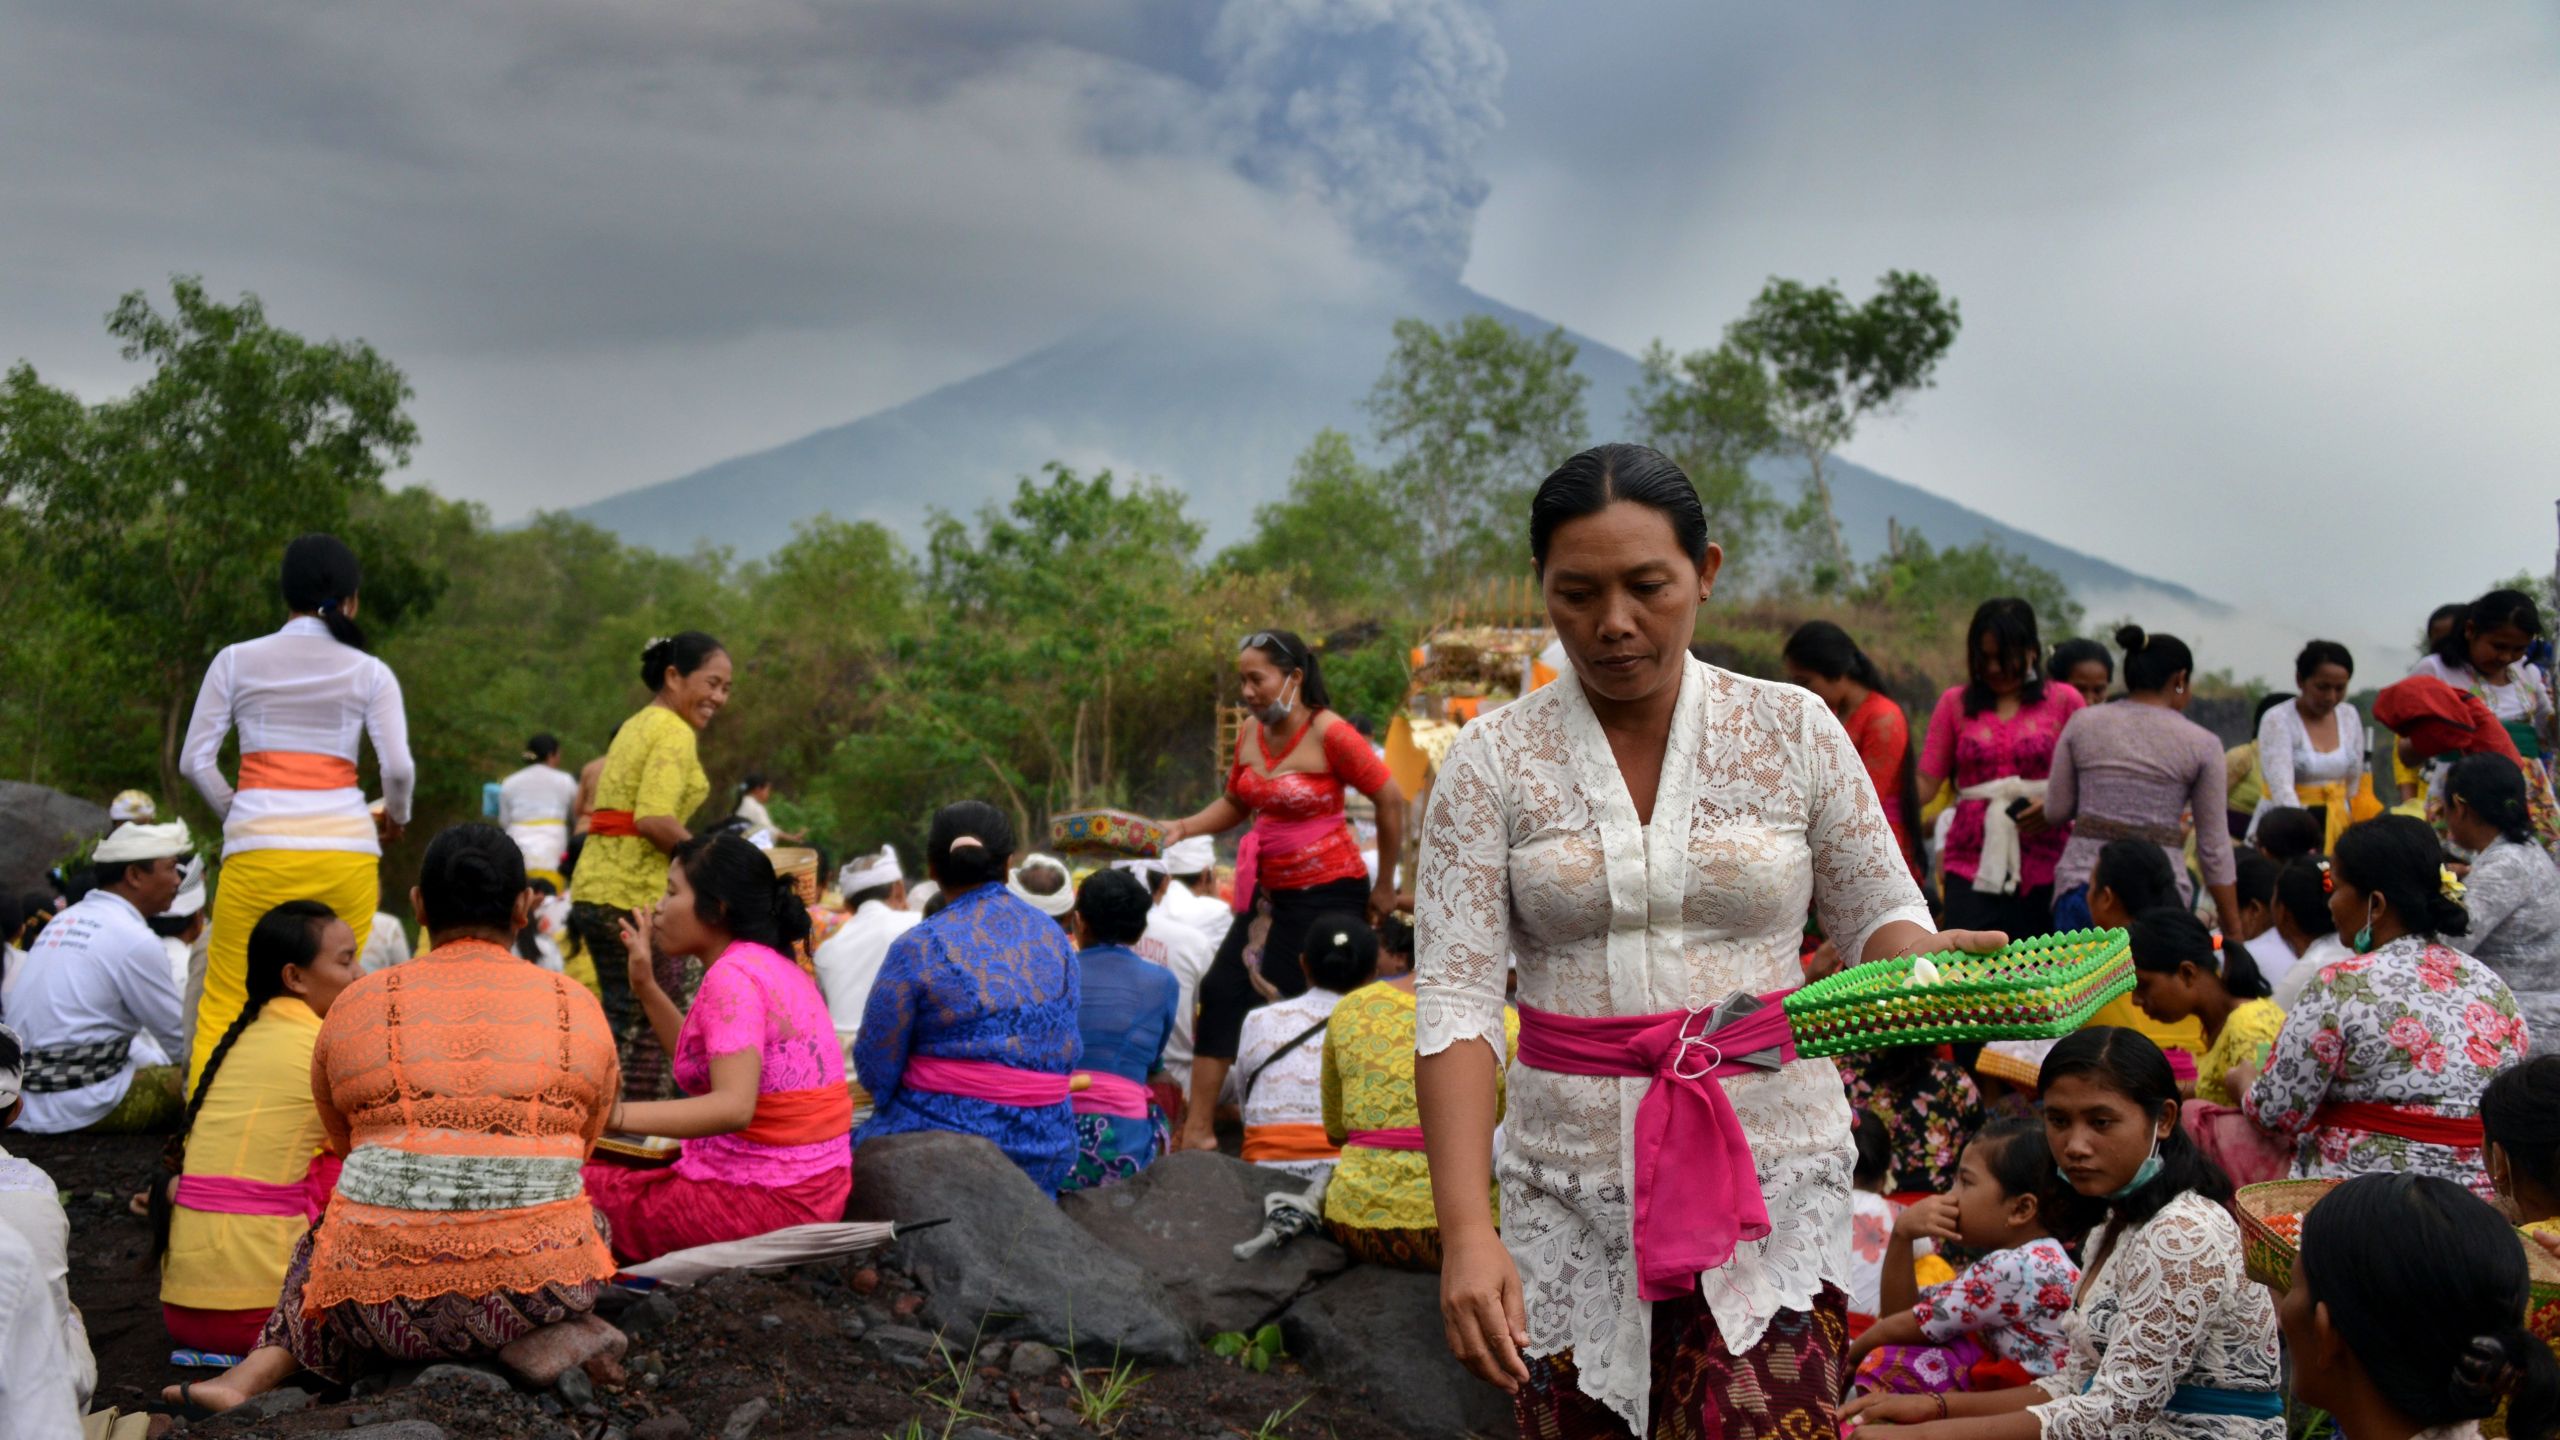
point(297, 828)
point(1994, 736)
point(2085, 666)
point(2311, 752)
point(651, 784)
point(2130, 771)
point(1646, 837)
point(2483, 653)
point(534, 805)
point(1822, 658)
point(1292, 763)
point(251, 1173)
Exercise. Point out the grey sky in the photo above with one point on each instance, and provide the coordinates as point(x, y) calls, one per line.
point(2257, 298)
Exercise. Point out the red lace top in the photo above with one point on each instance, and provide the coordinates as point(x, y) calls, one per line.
point(1287, 802)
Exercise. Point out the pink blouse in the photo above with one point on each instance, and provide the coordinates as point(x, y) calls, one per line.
point(753, 998)
point(1976, 749)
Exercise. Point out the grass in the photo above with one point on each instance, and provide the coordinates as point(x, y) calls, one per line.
point(1272, 1422)
point(1099, 1405)
point(957, 1373)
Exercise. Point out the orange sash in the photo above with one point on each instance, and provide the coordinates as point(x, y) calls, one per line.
point(801, 1117)
point(1299, 1141)
point(295, 770)
point(612, 822)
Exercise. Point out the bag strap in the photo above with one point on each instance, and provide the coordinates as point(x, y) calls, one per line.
point(1301, 1038)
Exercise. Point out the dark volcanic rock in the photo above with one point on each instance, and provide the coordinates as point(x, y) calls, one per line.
point(1008, 1261)
point(1180, 1219)
point(1376, 1333)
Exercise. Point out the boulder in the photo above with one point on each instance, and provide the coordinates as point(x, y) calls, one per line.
point(1375, 1333)
point(1180, 1220)
point(38, 827)
point(1008, 1264)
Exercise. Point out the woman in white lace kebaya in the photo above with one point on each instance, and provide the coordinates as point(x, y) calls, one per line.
point(2170, 1338)
point(1646, 836)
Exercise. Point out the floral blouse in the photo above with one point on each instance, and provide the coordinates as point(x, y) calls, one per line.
point(1976, 749)
point(2012, 1302)
point(2171, 1306)
point(1532, 847)
point(1368, 1085)
point(2513, 895)
point(2414, 1024)
point(1925, 1123)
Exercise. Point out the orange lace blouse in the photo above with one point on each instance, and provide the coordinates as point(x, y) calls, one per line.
point(465, 1088)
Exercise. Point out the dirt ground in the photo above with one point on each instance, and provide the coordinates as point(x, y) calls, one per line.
point(708, 1355)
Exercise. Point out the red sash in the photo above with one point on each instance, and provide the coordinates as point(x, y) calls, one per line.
point(612, 822)
point(1399, 1137)
point(295, 770)
point(2375, 1118)
point(801, 1117)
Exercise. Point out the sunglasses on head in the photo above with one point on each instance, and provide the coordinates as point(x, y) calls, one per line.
point(1265, 640)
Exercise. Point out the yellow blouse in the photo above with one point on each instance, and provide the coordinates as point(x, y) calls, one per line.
point(1368, 1085)
point(2248, 1035)
point(258, 1123)
point(2187, 1034)
point(654, 768)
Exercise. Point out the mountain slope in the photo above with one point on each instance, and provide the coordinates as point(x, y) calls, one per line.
point(1220, 413)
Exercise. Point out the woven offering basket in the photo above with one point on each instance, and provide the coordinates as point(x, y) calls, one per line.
point(2267, 1243)
point(2039, 989)
point(1106, 832)
point(799, 865)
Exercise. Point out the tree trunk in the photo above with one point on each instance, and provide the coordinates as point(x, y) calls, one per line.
point(1830, 515)
point(173, 728)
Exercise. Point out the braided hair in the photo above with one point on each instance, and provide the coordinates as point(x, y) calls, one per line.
point(287, 935)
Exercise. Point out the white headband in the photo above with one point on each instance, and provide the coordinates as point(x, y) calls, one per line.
point(135, 841)
point(1052, 906)
point(869, 872)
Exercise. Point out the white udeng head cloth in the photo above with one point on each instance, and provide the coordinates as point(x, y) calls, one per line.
point(870, 872)
point(143, 842)
point(1052, 906)
point(1195, 856)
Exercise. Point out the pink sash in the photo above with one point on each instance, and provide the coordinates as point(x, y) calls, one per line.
point(1400, 1137)
point(985, 1080)
point(230, 1195)
point(1114, 1095)
point(1697, 1190)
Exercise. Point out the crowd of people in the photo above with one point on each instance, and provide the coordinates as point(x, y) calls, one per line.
point(1535, 1051)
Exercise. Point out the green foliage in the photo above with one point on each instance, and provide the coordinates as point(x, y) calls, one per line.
point(1255, 1352)
point(1473, 416)
point(1942, 587)
point(1710, 411)
point(1831, 364)
point(1370, 682)
point(161, 513)
point(1099, 1404)
point(1337, 541)
point(1271, 1423)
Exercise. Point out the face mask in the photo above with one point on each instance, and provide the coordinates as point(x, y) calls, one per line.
point(1281, 709)
point(2143, 1174)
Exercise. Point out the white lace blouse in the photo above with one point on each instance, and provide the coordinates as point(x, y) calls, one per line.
point(1532, 848)
point(2172, 1306)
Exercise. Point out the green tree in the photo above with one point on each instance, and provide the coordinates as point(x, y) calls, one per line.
point(1710, 411)
point(1934, 587)
point(1338, 539)
point(1475, 414)
point(1831, 365)
point(163, 512)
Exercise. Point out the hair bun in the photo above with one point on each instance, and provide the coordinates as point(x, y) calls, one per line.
point(2484, 1373)
point(2130, 639)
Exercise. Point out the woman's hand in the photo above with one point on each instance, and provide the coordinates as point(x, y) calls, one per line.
point(1386, 901)
point(2241, 1077)
point(641, 965)
point(1904, 938)
point(1879, 1408)
point(1930, 1219)
point(1175, 832)
point(1482, 1310)
point(1823, 963)
point(2031, 819)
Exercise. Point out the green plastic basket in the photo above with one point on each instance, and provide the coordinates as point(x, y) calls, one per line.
point(2039, 989)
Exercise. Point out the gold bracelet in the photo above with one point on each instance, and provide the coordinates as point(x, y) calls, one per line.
point(1942, 1405)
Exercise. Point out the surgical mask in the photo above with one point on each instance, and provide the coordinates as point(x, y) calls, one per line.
point(2143, 1174)
point(1278, 712)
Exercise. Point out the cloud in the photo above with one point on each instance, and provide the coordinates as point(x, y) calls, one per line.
point(2255, 299)
point(781, 215)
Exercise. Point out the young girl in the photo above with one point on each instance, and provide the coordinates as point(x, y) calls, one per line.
point(2171, 1340)
point(2128, 878)
point(2008, 1305)
point(2177, 975)
point(2406, 1315)
point(247, 1181)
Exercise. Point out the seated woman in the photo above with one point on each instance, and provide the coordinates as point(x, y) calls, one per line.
point(1126, 1015)
point(1278, 1079)
point(766, 1111)
point(971, 1026)
point(252, 1168)
point(2520, 1123)
point(2179, 975)
point(2380, 1065)
point(2512, 894)
point(465, 1089)
point(1379, 1203)
point(2170, 1338)
point(2128, 878)
point(2406, 1315)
